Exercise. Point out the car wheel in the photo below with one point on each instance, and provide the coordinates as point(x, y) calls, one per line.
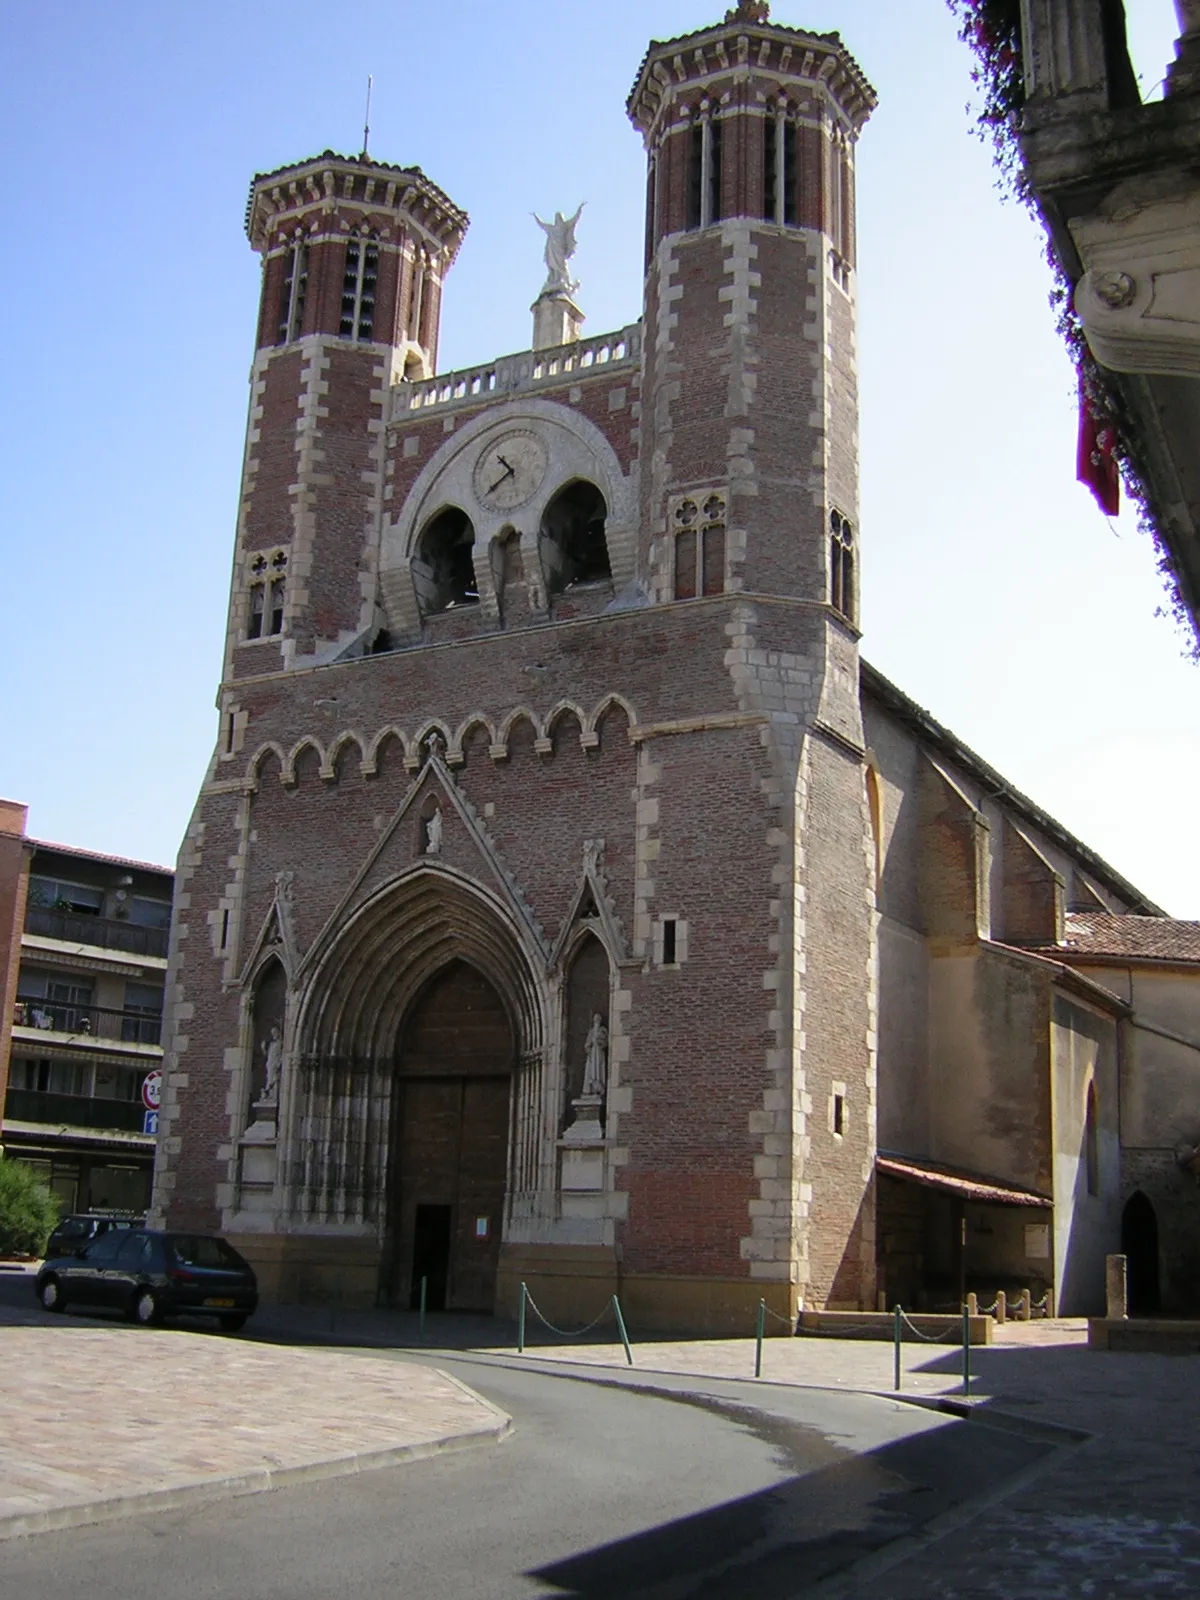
point(145, 1309)
point(51, 1296)
point(233, 1323)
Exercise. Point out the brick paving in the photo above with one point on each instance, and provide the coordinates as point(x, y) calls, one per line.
point(104, 1414)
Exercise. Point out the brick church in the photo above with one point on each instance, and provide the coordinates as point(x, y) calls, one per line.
point(566, 901)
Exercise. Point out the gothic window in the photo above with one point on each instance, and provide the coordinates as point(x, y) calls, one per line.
point(358, 289)
point(771, 169)
point(267, 593)
point(572, 539)
point(841, 565)
point(698, 523)
point(789, 175)
point(443, 567)
point(291, 300)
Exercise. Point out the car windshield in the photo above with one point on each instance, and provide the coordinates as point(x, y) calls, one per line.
point(198, 1250)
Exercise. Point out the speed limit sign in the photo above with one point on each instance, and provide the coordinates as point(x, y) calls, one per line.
point(152, 1090)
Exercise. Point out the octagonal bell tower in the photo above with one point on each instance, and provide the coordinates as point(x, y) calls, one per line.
point(355, 253)
point(750, 130)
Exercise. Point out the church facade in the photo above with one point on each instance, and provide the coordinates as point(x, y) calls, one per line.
point(566, 901)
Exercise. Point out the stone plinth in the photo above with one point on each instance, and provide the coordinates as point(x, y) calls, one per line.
point(556, 320)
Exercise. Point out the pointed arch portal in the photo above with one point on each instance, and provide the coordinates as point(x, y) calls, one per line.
point(421, 1082)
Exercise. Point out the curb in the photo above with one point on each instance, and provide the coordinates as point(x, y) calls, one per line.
point(256, 1480)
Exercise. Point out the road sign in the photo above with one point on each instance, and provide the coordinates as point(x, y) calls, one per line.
point(152, 1090)
point(150, 1122)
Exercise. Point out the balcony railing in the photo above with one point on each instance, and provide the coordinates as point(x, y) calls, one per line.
point(102, 931)
point(527, 370)
point(76, 1110)
point(89, 1022)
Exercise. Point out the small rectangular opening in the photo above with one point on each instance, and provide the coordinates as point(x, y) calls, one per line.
point(668, 942)
point(839, 1114)
point(224, 930)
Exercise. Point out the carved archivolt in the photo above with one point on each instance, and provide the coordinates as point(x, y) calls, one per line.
point(332, 758)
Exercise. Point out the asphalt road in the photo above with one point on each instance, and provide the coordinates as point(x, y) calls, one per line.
point(647, 1490)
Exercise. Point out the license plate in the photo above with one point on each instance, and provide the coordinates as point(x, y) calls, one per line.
point(218, 1302)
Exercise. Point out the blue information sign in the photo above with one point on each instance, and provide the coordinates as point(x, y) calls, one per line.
point(150, 1122)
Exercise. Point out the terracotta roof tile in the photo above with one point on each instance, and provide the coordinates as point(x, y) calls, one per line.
point(1106, 933)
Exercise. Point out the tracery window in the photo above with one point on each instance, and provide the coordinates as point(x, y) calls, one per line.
point(698, 525)
point(265, 605)
point(842, 595)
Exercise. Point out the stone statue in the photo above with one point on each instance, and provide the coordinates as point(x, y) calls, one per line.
point(595, 1063)
point(273, 1049)
point(560, 247)
point(433, 834)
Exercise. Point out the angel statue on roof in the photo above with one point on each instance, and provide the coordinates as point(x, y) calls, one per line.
point(560, 247)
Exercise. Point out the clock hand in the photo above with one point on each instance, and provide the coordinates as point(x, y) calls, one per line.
point(511, 473)
point(503, 462)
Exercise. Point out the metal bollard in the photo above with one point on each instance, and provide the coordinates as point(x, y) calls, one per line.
point(897, 1335)
point(616, 1305)
point(762, 1322)
point(966, 1344)
point(521, 1320)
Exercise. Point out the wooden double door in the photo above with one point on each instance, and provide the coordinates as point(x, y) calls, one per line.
point(449, 1150)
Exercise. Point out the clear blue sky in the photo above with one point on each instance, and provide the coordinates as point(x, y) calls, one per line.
point(994, 592)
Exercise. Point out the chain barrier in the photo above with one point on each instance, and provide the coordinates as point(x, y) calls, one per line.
point(566, 1333)
point(930, 1338)
point(614, 1305)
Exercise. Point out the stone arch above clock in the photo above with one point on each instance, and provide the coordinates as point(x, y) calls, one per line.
point(548, 446)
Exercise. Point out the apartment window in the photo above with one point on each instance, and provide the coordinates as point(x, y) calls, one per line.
point(291, 300)
point(59, 896)
point(267, 593)
point(358, 289)
point(841, 565)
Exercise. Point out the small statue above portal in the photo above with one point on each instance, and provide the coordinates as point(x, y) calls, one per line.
point(433, 832)
point(273, 1051)
point(595, 1062)
point(560, 247)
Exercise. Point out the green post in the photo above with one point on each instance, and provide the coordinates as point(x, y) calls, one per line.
point(616, 1305)
point(966, 1338)
point(762, 1322)
point(521, 1321)
point(424, 1298)
point(897, 1335)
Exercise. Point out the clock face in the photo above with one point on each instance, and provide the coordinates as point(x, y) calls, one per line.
point(510, 471)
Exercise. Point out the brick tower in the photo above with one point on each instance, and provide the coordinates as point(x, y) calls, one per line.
point(525, 920)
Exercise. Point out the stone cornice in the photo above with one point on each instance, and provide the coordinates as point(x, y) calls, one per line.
point(743, 47)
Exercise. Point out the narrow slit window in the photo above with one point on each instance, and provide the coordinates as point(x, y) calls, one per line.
point(229, 731)
point(276, 606)
point(258, 598)
point(839, 1115)
point(669, 956)
point(685, 565)
point(359, 282)
point(291, 300)
point(770, 169)
point(695, 183)
point(790, 213)
point(715, 127)
point(841, 565)
point(224, 930)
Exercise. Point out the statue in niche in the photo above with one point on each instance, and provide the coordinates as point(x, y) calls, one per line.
point(433, 833)
point(595, 1061)
point(560, 247)
point(273, 1055)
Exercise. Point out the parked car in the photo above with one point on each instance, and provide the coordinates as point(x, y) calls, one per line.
point(72, 1233)
point(150, 1275)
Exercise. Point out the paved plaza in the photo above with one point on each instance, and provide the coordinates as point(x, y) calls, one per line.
point(104, 1409)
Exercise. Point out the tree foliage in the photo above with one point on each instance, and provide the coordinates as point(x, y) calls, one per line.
point(28, 1210)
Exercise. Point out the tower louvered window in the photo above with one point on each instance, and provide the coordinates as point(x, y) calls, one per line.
point(291, 300)
point(358, 289)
